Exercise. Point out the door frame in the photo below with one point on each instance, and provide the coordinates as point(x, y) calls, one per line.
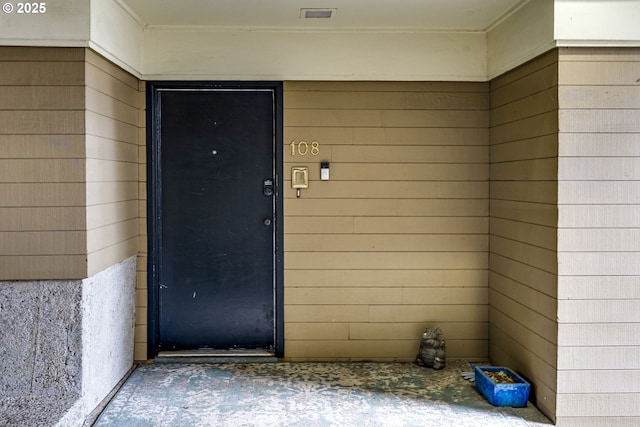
point(154, 190)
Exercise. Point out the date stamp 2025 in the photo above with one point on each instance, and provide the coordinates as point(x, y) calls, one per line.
point(31, 8)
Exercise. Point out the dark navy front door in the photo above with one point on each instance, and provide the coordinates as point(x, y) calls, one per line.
point(215, 218)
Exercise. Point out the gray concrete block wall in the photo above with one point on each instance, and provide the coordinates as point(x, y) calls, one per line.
point(64, 345)
point(41, 335)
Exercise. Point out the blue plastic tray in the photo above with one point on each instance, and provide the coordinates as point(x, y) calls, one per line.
point(514, 395)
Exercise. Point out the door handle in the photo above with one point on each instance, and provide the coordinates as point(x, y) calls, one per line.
point(267, 221)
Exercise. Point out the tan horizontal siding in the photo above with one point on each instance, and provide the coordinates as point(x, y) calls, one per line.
point(507, 350)
point(112, 170)
point(101, 170)
point(538, 147)
point(599, 145)
point(383, 349)
point(42, 218)
point(30, 243)
point(42, 146)
point(541, 236)
point(105, 149)
point(386, 278)
point(520, 109)
point(598, 200)
point(598, 357)
point(105, 257)
point(586, 334)
point(111, 80)
point(600, 169)
point(525, 252)
point(596, 121)
point(547, 349)
point(99, 193)
point(517, 309)
point(386, 242)
point(111, 129)
point(523, 226)
point(140, 337)
point(543, 192)
point(39, 54)
point(374, 86)
point(436, 174)
point(600, 240)
point(389, 118)
point(524, 274)
point(381, 207)
point(423, 225)
point(539, 73)
point(42, 73)
point(42, 122)
point(408, 154)
point(382, 296)
point(606, 421)
point(373, 331)
point(525, 212)
point(526, 170)
point(397, 239)
point(386, 136)
point(534, 126)
point(598, 192)
point(590, 311)
point(377, 331)
point(605, 96)
point(43, 267)
point(42, 195)
point(399, 190)
point(352, 171)
point(543, 306)
point(105, 105)
point(598, 73)
point(387, 100)
point(386, 260)
point(619, 404)
point(41, 98)
point(598, 287)
point(42, 170)
point(111, 213)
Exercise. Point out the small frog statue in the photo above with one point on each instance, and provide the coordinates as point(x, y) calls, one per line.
point(432, 349)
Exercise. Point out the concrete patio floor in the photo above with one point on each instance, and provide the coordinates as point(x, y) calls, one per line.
point(306, 394)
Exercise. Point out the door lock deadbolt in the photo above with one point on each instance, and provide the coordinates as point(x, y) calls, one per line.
point(267, 188)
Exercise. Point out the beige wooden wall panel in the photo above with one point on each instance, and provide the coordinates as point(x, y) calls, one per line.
point(140, 338)
point(112, 128)
point(523, 230)
point(397, 239)
point(42, 171)
point(599, 226)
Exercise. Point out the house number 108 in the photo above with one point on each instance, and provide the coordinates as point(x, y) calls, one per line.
point(303, 148)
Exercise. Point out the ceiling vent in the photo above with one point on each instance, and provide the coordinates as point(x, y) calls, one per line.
point(317, 13)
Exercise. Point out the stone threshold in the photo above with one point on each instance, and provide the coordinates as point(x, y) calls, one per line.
point(206, 355)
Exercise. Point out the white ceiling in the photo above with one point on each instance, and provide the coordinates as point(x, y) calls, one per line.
point(453, 15)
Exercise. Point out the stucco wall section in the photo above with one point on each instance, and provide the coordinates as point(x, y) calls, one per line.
point(108, 311)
